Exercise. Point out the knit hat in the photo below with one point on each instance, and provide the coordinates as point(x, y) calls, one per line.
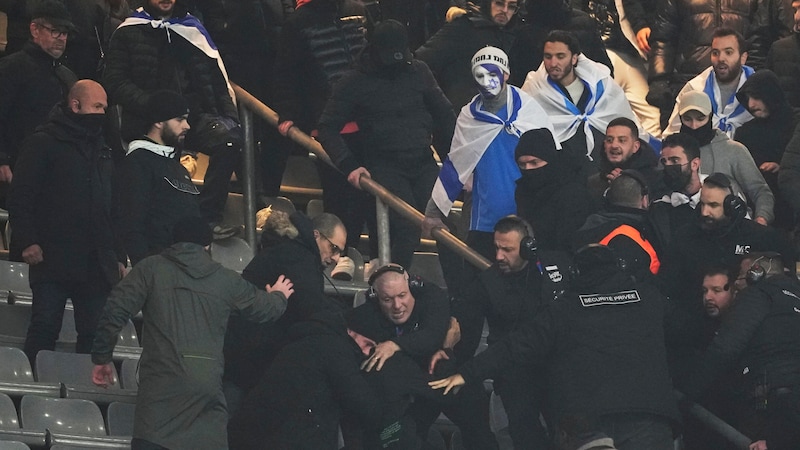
point(55, 13)
point(192, 229)
point(164, 105)
point(389, 40)
point(538, 143)
point(694, 100)
point(491, 55)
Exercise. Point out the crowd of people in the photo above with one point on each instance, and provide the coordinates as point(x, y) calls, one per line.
point(631, 169)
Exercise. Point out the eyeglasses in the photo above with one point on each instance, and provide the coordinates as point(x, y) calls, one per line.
point(513, 7)
point(54, 33)
point(335, 249)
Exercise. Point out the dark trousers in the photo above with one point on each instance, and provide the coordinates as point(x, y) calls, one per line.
point(522, 393)
point(217, 184)
point(412, 181)
point(141, 444)
point(353, 206)
point(638, 431)
point(47, 313)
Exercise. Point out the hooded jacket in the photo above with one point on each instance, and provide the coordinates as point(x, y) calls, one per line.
point(31, 83)
point(186, 299)
point(249, 347)
point(61, 200)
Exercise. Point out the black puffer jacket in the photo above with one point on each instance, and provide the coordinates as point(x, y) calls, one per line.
point(399, 111)
point(681, 36)
point(61, 200)
point(31, 83)
point(142, 59)
point(784, 60)
point(318, 44)
point(449, 51)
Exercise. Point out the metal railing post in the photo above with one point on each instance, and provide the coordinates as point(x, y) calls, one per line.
point(384, 242)
point(249, 177)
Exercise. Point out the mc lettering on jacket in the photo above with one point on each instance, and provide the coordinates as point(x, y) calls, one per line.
point(617, 298)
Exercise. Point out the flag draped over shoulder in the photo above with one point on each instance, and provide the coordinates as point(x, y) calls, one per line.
point(607, 101)
point(475, 131)
point(189, 28)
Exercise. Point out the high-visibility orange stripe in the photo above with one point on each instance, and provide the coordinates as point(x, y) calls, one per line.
point(635, 236)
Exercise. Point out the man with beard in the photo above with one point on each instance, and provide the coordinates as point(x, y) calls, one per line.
point(719, 236)
point(155, 190)
point(719, 153)
point(482, 153)
point(768, 134)
point(720, 82)
point(552, 201)
point(60, 208)
point(580, 97)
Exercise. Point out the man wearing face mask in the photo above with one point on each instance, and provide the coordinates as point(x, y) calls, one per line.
point(554, 203)
point(60, 209)
point(719, 153)
point(482, 153)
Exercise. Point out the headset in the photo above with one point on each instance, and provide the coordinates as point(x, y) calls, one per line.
point(733, 206)
point(414, 282)
point(604, 252)
point(756, 272)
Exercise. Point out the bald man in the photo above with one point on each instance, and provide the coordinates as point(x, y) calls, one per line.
point(60, 209)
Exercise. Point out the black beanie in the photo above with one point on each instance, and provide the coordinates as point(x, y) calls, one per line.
point(192, 229)
point(538, 143)
point(164, 105)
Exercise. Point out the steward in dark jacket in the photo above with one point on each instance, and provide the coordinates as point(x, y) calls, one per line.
point(31, 83)
point(603, 346)
point(313, 381)
point(249, 348)
point(784, 60)
point(548, 197)
point(448, 52)
point(768, 133)
point(758, 341)
point(60, 208)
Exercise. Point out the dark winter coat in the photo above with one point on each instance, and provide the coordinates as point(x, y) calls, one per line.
point(400, 111)
point(759, 334)
point(789, 175)
point(603, 355)
point(643, 161)
point(60, 199)
point(784, 60)
point(155, 191)
point(681, 36)
point(142, 59)
point(31, 83)
point(555, 205)
point(318, 44)
point(186, 299)
point(448, 53)
point(301, 398)
point(249, 348)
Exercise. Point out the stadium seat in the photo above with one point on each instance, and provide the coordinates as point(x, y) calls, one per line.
point(74, 372)
point(314, 208)
point(13, 445)
point(14, 320)
point(120, 419)
point(233, 253)
point(70, 416)
point(10, 429)
point(129, 377)
point(497, 414)
point(14, 283)
point(16, 377)
point(426, 264)
point(435, 440)
point(359, 299)
point(8, 413)
point(280, 204)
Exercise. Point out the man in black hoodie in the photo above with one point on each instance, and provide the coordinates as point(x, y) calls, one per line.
point(60, 209)
point(768, 133)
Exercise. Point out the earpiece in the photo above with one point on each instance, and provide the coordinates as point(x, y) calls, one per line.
point(756, 272)
point(733, 206)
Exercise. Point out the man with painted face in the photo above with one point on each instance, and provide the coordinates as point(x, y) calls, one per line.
point(482, 153)
point(721, 154)
point(720, 82)
point(580, 96)
point(552, 201)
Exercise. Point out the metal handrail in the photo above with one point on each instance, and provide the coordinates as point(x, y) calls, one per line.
point(248, 101)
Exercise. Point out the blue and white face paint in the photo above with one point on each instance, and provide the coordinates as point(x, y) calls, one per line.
point(489, 78)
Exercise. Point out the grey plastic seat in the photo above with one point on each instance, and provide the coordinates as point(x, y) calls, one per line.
point(14, 320)
point(280, 204)
point(233, 253)
point(359, 298)
point(74, 372)
point(129, 375)
point(14, 365)
point(8, 413)
point(13, 445)
point(314, 208)
point(427, 265)
point(62, 415)
point(14, 281)
point(120, 419)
